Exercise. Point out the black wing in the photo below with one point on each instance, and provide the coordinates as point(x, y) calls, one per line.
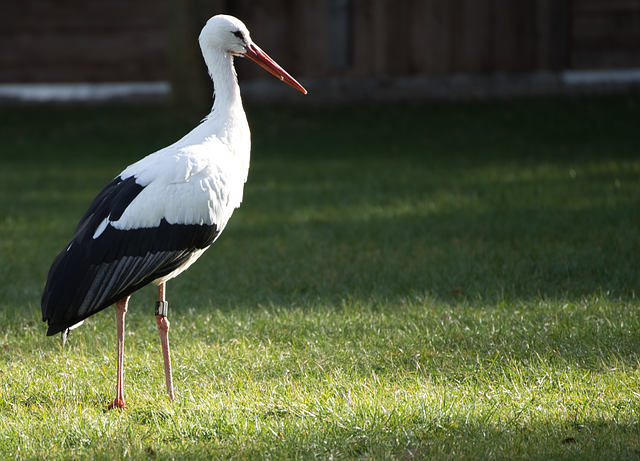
point(91, 274)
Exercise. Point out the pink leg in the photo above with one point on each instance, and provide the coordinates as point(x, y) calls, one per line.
point(121, 310)
point(163, 329)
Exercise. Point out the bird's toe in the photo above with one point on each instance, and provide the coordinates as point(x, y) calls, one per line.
point(117, 403)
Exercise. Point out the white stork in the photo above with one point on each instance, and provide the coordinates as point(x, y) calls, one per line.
point(161, 213)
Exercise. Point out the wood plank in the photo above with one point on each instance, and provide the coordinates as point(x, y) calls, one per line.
point(369, 38)
point(560, 34)
point(379, 37)
point(119, 15)
point(397, 22)
point(191, 88)
point(432, 40)
point(362, 31)
point(552, 35)
point(270, 26)
point(513, 36)
point(473, 50)
point(600, 6)
point(309, 39)
point(543, 35)
point(605, 34)
point(338, 38)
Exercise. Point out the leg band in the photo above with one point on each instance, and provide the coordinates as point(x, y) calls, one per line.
point(162, 308)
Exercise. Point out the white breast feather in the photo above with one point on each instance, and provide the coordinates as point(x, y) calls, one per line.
point(196, 184)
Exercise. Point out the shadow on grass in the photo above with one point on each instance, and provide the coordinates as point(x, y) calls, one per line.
point(480, 257)
point(433, 439)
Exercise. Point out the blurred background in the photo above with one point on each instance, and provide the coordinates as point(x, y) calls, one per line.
point(341, 49)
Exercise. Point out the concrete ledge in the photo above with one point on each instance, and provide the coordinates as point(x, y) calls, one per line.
point(83, 92)
point(346, 90)
point(380, 89)
point(447, 87)
point(599, 77)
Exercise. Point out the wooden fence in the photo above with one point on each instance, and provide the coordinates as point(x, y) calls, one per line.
point(83, 40)
point(126, 40)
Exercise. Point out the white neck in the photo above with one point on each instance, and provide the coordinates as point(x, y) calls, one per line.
point(227, 120)
point(223, 74)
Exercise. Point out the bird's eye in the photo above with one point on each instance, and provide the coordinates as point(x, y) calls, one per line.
point(238, 34)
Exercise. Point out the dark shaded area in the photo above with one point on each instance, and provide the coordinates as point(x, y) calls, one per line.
point(523, 199)
point(499, 199)
point(444, 438)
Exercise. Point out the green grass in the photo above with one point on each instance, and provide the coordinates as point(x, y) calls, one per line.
point(437, 281)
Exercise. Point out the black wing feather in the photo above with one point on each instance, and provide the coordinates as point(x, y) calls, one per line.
point(92, 274)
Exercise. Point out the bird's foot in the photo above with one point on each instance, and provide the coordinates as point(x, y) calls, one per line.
point(117, 403)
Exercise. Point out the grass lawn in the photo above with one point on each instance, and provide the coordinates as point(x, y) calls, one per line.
point(435, 281)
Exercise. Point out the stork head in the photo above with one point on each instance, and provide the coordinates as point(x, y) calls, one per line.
point(229, 35)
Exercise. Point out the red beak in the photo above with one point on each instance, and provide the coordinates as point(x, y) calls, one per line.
point(263, 60)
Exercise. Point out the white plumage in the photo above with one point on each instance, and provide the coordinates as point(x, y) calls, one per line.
point(161, 213)
point(207, 168)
